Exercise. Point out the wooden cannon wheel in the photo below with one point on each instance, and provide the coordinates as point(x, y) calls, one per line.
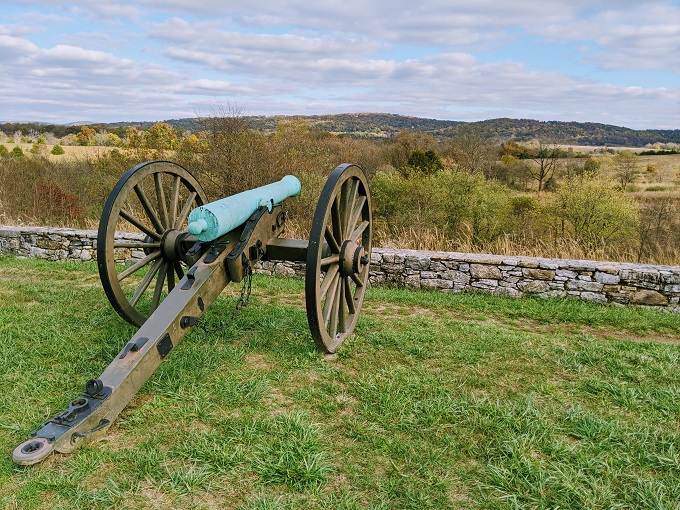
point(152, 199)
point(338, 257)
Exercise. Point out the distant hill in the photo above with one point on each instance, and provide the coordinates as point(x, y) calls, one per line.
point(385, 125)
point(569, 133)
point(373, 125)
point(379, 125)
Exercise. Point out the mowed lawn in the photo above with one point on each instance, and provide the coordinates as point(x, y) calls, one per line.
point(437, 401)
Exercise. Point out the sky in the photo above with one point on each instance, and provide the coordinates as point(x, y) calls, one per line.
point(607, 61)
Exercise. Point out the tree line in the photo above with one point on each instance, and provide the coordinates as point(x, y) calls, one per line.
point(463, 193)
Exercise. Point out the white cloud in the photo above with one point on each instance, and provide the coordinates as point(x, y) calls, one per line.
point(430, 58)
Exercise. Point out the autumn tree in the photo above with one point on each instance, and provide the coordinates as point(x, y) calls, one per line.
point(134, 139)
point(114, 140)
point(86, 136)
point(162, 136)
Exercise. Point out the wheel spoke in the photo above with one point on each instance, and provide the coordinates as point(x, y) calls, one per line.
point(160, 283)
point(357, 280)
point(344, 205)
point(138, 265)
point(351, 199)
point(342, 311)
point(171, 276)
point(160, 198)
point(146, 281)
point(335, 218)
point(140, 225)
point(179, 271)
point(358, 231)
point(330, 239)
point(136, 244)
point(174, 200)
point(148, 208)
point(356, 213)
point(327, 261)
point(330, 300)
point(185, 210)
point(331, 308)
point(349, 297)
point(328, 279)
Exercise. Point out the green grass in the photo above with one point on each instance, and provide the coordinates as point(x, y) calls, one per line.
point(437, 401)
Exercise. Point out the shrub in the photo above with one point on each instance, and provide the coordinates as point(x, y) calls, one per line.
point(3, 150)
point(589, 211)
point(57, 150)
point(16, 152)
point(427, 162)
point(462, 206)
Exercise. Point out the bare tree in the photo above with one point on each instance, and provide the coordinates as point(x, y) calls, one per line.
point(473, 151)
point(625, 164)
point(545, 163)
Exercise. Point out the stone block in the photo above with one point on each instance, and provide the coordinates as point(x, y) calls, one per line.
point(606, 278)
point(648, 297)
point(456, 276)
point(533, 286)
point(584, 286)
point(640, 275)
point(507, 292)
point(418, 263)
point(553, 294)
point(670, 278)
point(485, 284)
point(436, 284)
point(412, 282)
point(594, 297)
point(539, 274)
point(484, 271)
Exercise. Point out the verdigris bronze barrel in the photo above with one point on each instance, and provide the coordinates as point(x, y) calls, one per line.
point(210, 221)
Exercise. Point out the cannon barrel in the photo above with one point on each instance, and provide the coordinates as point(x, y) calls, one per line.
point(213, 220)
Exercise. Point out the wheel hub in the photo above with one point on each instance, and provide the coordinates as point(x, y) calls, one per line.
point(352, 258)
point(171, 245)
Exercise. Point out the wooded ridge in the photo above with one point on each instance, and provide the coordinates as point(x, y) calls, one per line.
point(384, 125)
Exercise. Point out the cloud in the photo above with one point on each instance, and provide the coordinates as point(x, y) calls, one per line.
point(158, 59)
point(639, 37)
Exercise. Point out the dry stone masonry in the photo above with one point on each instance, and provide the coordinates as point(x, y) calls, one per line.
point(600, 282)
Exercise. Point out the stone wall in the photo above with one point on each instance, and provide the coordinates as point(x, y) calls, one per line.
point(600, 282)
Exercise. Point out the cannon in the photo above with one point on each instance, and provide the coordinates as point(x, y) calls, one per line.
point(187, 251)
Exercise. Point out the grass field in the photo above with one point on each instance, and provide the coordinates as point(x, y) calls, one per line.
point(437, 401)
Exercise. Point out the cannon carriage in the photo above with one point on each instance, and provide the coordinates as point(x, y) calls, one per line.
point(187, 251)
